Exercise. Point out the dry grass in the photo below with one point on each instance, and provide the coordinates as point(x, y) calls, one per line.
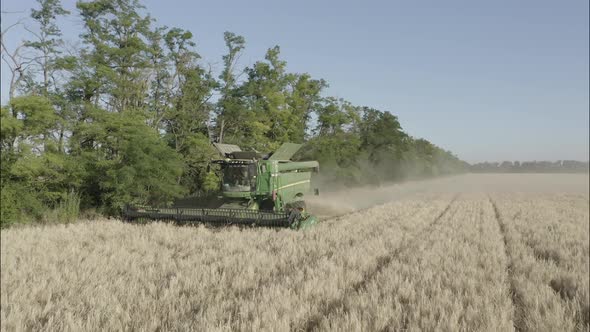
point(465, 253)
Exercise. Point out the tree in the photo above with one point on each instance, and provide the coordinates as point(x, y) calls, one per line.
point(335, 116)
point(161, 85)
point(187, 119)
point(304, 98)
point(33, 170)
point(47, 41)
point(190, 109)
point(381, 132)
point(117, 34)
point(14, 60)
point(126, 162)
point(269, 120)
point(229, 105)
point(338, 155)
point(129, 117)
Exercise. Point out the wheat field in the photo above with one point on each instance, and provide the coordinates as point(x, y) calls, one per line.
point(471, 253)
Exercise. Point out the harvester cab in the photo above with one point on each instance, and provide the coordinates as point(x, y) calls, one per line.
point(256, 189)
point(267, 183)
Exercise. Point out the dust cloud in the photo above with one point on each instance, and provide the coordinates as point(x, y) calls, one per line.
point(334, 202)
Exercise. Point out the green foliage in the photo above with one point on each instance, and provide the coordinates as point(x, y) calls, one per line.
point(36, 113)
point(10, 126)
point(130, 119)
point(270, 107)
point(9, 212)
point(19, 204)
point(230, 106)
point(46, 45)
point(50, 174)
point(117, 33)
point(358, 146)
point(338, 155)
point(66, 211)
point(210, 182)
point(196, 155)
point(35, 175)
point(303, 98)
point(382, 135)
point(126, 162)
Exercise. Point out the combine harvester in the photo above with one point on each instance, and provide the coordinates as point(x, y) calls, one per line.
point(256, 190)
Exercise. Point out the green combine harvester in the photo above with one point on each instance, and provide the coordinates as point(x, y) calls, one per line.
point(255, 190)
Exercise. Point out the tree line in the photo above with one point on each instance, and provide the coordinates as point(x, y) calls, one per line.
point(560, 166)
point(128, 116)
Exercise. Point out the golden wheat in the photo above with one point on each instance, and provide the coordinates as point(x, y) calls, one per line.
point(464, 253)
point(548, 240)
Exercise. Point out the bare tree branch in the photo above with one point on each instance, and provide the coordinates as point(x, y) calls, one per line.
point(12, 12)
point(32, 32)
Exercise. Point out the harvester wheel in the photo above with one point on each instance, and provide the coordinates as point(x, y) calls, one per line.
point(299, 205)
point(294, 217)
point(296, 210)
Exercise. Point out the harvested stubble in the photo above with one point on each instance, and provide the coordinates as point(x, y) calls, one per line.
point(480, 262)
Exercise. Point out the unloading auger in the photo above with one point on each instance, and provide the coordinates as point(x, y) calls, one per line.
point(256, 190)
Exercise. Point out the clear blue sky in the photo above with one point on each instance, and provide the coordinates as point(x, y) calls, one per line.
point(488, 80)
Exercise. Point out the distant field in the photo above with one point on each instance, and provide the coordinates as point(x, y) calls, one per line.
point(474, 252)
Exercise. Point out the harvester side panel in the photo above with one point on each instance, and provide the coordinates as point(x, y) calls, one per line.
point(292, 184)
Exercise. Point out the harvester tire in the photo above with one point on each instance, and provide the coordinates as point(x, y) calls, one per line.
point(294, 216)
point(296, 209)
point(299, 205)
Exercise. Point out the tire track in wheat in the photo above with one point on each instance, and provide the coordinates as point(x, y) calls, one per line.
point(327, 308)
point(367, 234)
point(518, 313)
point(405, 323)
